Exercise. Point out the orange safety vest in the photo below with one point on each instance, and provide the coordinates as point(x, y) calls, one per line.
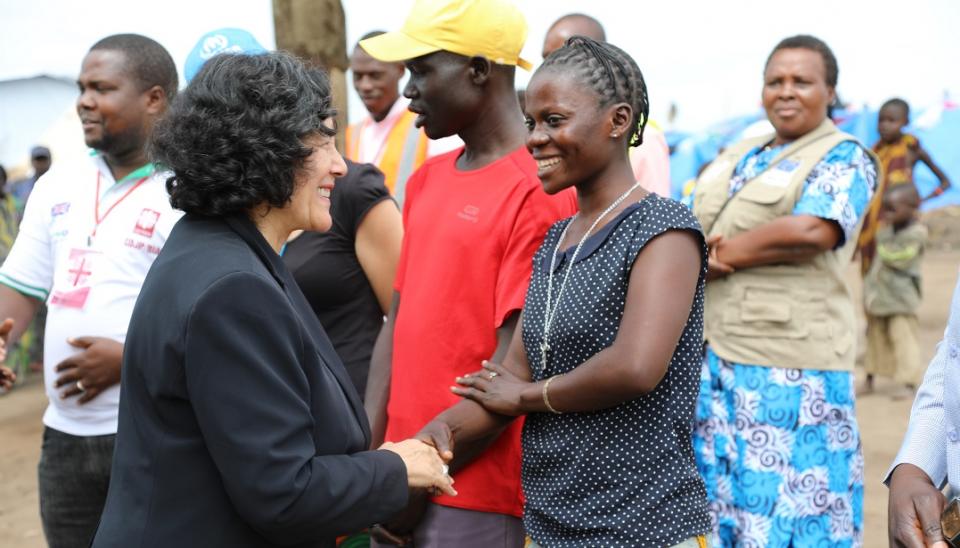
point(404, 151)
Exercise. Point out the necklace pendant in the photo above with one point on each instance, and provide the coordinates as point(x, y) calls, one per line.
point(89, 241)
point(544, 347)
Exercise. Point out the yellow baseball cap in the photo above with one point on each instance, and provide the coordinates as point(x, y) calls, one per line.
point(494, 29)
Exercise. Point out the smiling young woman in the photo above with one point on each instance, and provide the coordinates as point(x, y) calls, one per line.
point(604, 363)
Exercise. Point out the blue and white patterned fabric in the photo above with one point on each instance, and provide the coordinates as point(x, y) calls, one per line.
point(932, 441)
point(779, 452)
point(838, 188)
point(779, 449)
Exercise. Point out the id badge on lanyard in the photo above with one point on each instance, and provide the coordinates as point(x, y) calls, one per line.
point(75, 283)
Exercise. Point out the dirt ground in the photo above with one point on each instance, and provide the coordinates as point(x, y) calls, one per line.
point(882, 423)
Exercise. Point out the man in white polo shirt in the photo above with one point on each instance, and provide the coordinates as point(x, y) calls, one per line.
point(89, 234)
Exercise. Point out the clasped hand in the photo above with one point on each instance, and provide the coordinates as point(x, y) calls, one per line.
point(495, 388)
point(87, 373)
point(425, 467)
point(715, 267)
point(92, 370)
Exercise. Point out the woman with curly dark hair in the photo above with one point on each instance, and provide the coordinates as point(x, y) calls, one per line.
point(239, 425)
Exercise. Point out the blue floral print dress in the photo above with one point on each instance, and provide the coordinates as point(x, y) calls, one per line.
point(779, 448)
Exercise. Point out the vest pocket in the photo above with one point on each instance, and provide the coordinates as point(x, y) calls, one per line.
point(777, 312)
point(765, 311)
point(760, 192)
point(756, 205)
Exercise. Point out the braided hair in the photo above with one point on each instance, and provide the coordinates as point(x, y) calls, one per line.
point(611, 73)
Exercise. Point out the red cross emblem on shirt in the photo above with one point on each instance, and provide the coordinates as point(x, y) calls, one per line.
point(147, 222)
point(80, 272)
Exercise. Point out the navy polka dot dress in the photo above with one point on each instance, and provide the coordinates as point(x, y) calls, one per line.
point(623, 476)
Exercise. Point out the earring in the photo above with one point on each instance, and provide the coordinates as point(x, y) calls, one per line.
point(615, 135)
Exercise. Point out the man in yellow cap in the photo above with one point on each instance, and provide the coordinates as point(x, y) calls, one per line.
point(473, 219)
point(387, 137)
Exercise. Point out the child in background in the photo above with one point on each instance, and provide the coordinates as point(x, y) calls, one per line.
point(892, 292)
point(898, 153)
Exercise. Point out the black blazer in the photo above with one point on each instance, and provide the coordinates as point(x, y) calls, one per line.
point(239, 426)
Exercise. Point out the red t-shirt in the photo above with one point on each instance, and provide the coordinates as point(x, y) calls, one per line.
point(468, 245)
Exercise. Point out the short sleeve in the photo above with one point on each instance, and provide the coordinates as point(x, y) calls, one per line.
point(362, 188)
point(28, 268)
point(414, 184)
point(663, 215)
point(839, 188)
point(535, 216)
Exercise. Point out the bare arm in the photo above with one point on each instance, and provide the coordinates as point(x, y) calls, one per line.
point(924, 157)
point(378, 379)
point(378, 249)
point(662, 287)
point(789, 239)
point(475, 429)
point(467, 425)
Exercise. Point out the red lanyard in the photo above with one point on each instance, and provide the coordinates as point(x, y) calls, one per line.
point(97, 219)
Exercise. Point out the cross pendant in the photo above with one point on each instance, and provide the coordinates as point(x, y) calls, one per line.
point(544, 348)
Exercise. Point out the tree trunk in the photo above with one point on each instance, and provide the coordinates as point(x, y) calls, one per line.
point(316, 31)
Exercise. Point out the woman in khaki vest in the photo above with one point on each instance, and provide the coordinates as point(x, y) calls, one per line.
point(776, 437)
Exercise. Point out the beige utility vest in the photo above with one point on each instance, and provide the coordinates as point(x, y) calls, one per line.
point(785, 315)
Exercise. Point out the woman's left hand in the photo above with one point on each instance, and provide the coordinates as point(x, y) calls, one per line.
point(495, 388)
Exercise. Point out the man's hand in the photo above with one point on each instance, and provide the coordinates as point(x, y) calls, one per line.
point(437, 434)
point(91, 371)
point(914, 508)
point(399, 530)
point(5, 329)
point(7, 378)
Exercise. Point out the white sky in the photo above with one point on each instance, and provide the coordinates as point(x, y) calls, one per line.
point(705, 55)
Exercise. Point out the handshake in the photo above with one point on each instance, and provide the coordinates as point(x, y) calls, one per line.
point(427, 458)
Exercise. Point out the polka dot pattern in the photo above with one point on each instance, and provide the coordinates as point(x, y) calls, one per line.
point(623, 476)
